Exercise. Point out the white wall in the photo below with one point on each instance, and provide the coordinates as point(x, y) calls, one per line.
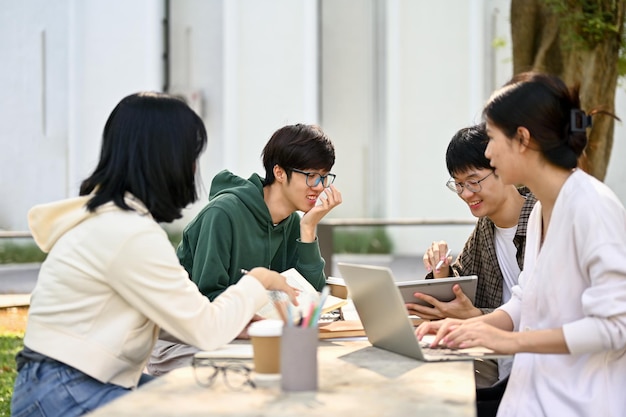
point(351, 103)
point(427, 103)
point(270, 73)
point(399, 78)
point(389, 80)
point(197, 67)
point(255, 65)
point(33, 107)
point(430, 96)
point(115, 50)
point(67, 63)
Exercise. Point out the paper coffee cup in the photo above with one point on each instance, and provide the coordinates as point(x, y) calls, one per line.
point(265, 337)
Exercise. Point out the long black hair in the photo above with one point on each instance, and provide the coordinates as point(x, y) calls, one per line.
point(544, 105)
point(150, 147)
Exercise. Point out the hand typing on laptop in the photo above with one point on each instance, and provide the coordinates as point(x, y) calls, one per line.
point(459, 307)
point(463, 334)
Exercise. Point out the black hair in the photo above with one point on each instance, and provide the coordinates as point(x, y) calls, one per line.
point(297, 146)
point(150, 146)
point(466, 150)
point(544, 105)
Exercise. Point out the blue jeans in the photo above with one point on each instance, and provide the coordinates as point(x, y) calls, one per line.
point(50, 388)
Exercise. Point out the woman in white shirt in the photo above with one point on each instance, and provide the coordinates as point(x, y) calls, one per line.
point(111, 279)
point(566, 320)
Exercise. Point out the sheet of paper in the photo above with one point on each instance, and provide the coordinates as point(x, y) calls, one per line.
point(229, 351)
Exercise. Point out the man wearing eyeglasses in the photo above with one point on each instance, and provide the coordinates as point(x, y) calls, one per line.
point(495, 249)
point(255, 222)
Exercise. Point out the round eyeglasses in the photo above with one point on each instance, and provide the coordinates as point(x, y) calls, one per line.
point(471, 185)
point(236, 374)
point(313, 178)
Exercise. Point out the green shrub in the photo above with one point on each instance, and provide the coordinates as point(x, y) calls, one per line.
point(27, 251)
point(357, 240)
point(10, 344)
point(364, 240)
point(19, 253)
point(175, 238)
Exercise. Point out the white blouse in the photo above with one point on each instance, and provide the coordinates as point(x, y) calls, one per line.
point(577, 282)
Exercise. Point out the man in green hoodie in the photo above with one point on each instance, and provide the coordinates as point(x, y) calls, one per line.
point(255, 222)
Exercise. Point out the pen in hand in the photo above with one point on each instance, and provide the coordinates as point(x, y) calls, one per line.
point(440, 263)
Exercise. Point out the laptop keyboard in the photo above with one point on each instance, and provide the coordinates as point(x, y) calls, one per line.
point(439, 350)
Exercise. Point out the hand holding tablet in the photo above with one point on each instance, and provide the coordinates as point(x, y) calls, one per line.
point(440, 288)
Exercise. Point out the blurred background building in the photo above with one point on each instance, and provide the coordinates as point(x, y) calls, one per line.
point(390, 81)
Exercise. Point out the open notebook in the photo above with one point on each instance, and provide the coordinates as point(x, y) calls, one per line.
point(307, 295)
point(386, 322)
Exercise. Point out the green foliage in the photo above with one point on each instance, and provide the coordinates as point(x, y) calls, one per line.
point(18, 253)
point(586, 23)
point(10, 344)
point(498, 42)
point(364, 240)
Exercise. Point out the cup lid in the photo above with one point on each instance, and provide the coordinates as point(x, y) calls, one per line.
point(268, 327)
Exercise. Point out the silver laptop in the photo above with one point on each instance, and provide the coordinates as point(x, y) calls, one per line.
point(386, 322)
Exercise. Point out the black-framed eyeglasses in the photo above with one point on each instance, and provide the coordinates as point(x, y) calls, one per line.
point(471, 185)
point(313, 178)
point(236, 374)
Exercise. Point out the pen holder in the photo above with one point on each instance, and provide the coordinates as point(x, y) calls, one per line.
point(298, 358)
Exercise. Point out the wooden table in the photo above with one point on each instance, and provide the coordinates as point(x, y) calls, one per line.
point(355, 379)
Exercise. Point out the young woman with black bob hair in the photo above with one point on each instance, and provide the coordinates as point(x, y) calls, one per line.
point(566, 320)
point(111, 279)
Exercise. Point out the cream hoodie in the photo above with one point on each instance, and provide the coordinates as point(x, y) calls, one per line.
point(110, 281)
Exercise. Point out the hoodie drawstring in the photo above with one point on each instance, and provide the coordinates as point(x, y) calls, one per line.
point(284, 248)
point(269, 247)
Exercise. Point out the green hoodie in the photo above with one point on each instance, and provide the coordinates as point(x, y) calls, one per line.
point(235, 231)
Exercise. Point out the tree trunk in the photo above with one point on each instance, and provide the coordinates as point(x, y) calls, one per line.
point(540, 44)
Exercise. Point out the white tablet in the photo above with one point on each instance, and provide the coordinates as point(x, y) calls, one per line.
point(440, 288)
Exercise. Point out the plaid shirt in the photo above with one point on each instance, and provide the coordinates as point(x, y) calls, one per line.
point(478, 256)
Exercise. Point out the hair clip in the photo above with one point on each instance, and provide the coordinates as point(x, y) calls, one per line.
point(579, 120)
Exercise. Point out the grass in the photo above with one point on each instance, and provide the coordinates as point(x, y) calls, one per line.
point(12, 326)
point(10, 344)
